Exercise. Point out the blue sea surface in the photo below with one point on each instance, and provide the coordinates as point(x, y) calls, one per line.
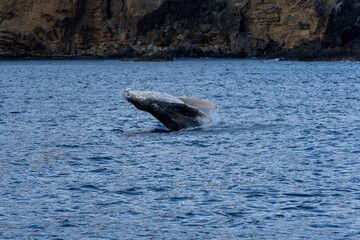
point(281, 159)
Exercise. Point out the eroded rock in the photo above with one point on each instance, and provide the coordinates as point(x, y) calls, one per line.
point(290, 29)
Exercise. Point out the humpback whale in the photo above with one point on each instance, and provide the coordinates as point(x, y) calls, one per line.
point(175, 113)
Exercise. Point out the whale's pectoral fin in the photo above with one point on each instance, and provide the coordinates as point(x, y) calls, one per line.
point(198, 102)
point(191, 112)
point(181, 116)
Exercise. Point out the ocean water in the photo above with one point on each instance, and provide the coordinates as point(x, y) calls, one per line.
point(281, 159)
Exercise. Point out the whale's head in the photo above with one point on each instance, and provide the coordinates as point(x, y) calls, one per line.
point(138, 99)
point(147, 100)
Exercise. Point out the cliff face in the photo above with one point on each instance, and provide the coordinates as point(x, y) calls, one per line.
point(301, 29)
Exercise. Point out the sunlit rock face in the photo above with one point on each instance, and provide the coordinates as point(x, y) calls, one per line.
point(300, 29)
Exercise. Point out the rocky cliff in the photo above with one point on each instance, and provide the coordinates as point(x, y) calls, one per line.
point(293, 29)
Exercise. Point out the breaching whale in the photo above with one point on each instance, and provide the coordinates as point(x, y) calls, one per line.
point(174, 112)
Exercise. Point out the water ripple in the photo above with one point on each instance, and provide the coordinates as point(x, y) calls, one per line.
point(280, 159)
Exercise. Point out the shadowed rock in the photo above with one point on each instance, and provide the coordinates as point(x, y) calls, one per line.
point(158, 30)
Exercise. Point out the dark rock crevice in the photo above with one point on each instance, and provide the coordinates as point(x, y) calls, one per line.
point(198, 22)
point(169, 12)
point(71, 26)
point(343, 29)
point(108, 9)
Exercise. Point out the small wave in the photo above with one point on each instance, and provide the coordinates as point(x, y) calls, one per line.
point(66, 223)
point(298, 195)
point(117, 130)
point(110, 203)
point(326, 225)
point(177, 199)
point(160, 189)
point(301, 207)
point(236, 127)
point(129, 191)
point(100, 158)
point(37, 227)
point(98, 170)
point(89, 186)
point(67, 146)
point(235, 214)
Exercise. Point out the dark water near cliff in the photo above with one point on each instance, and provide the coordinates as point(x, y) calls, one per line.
point(281, 159)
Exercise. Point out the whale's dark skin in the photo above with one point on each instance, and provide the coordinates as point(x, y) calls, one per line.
point(171, 111)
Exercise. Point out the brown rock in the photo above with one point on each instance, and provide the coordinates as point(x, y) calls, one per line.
point(295, 29)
